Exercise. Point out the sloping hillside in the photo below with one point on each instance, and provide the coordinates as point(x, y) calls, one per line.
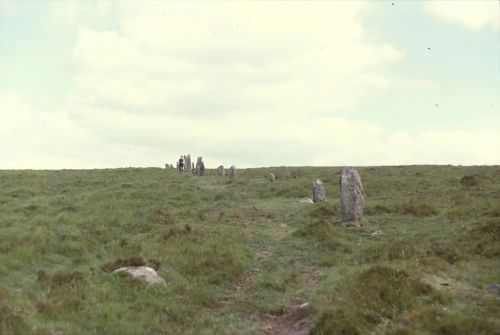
point(244, 257)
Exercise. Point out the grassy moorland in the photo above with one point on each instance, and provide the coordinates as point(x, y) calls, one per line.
point(240, 256)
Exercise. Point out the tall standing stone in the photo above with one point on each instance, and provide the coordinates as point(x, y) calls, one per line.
point(318, 191)
point(351, 197)
point(271, 177)
point(200, 167)
point(220, 171)
point(188, 163)
point(232, 171)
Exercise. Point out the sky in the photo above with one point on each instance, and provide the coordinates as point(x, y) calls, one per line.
point(134, 83)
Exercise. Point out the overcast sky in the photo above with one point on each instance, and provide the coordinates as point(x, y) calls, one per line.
point(114, 84)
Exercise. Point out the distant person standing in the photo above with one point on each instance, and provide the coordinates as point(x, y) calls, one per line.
point(181, 164)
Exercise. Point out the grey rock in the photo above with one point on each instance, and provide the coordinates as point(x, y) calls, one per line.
point(271, 177)
point(200, 167)
point(493, 288)
point(318, 191)
point(188, 163)
point(144, 273)
point(351, 197)
point(220, 171)
point(305, 201)
point(232, 172)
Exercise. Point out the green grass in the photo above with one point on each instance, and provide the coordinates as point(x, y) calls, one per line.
point(237, 253)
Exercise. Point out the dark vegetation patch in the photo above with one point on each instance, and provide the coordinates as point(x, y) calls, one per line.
point(482, 238)
point(12, 319)
point(325, 211)
point(417, 209)
point(327, 234)
point(469, 181)
point(64, 278)
point(363, 300)
point(177, 231)
point(434, 319)
point(163, 217)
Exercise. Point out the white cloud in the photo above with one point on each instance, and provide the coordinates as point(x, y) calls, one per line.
point(100, 138)
point(474, 15)
point(244, 83)
point(187, 58)
point(8, 7)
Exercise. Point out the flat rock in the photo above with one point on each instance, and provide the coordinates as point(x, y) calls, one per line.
point(305, 201)
point(144, 273)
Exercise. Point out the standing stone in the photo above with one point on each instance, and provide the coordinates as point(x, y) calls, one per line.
point(232, 171)
point(271, 177)
point(188, 163)
point(167, 166)
point(200, 167)
point(351, 197)
point(220, 171)
point(318, 191)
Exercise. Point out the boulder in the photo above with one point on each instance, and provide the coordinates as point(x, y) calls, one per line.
point(188, 163)
point(200, 167)
point(318, 191)
point(144, 273)
point(232, 171)
point(351, 197)
point(220, 171)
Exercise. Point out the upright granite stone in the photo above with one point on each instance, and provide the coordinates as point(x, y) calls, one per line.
point(188, 163)
point(271, 177)
point(200, 167)
point(232, 171)
point(220, 171)
point(318, 191)
point(351, 197)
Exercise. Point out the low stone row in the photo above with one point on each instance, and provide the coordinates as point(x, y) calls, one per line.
point(351, 196)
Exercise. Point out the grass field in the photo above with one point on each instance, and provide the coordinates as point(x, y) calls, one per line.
point(240, 256)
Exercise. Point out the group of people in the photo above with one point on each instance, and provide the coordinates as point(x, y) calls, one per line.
point(182, 164)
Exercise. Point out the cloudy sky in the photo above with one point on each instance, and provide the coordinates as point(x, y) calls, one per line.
point(114, 84)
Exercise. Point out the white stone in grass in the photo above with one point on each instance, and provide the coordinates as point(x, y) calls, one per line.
point(145, 273)
point(305, 201)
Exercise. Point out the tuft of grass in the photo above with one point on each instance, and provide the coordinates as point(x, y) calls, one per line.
point(12, 319)
point(356, 304)
point(328, 235)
